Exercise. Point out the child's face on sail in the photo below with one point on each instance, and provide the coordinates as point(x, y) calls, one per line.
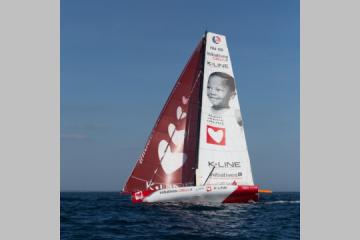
point(218, 92)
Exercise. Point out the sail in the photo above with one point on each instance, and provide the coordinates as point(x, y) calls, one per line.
point(169, 156)
point(223, 154)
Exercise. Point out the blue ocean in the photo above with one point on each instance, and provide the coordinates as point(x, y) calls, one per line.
point(109, 215)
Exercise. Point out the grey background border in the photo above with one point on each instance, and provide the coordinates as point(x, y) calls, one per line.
point(30, 119)
point(30, 115)
point(329, 119)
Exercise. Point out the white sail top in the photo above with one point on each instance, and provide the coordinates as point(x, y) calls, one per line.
point(223, 156)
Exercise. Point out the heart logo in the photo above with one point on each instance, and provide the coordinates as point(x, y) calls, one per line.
point(177, 136)
point(185, 100)
point(215, 135)
point(170, 161)
point(180, 114)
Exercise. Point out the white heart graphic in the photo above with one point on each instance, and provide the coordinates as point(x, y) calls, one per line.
point(185, 100)
point(171, 129)
point(177, 135)
point(216, 135)
point(170, 162)
point(180, 114)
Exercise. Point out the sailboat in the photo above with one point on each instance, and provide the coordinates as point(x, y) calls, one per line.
point(197, 150)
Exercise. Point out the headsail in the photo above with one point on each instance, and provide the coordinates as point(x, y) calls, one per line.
point(170, 155)
point(223, 155)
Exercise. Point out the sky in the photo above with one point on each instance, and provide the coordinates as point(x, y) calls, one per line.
point(120, 60)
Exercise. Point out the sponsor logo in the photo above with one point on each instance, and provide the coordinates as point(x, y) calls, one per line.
point(168, 191)
point(153, 186)
point(226, 175)
point(220, 187)
point(217, 56)
point(216, 49)
point(217, 65)
point(216, 39)
point(208, 189)
point(139, 195)
point(215, 135)
point(224, 164)
point(185, 189)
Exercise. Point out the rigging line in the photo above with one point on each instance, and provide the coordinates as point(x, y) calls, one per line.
point(197, 78)
point(138, 178)
point(209, 176)
point(172, 134)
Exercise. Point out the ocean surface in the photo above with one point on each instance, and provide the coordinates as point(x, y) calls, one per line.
point(109, 215)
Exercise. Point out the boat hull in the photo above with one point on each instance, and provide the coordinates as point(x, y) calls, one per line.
point(210, 193)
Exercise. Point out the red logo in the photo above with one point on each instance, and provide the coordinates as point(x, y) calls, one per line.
point(208, 189)
point(216, 39)
point(215, 135)
point(139, 195)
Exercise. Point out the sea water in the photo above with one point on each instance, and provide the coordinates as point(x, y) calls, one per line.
point(109, 215)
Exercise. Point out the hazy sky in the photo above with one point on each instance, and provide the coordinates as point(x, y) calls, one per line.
point(120, 60)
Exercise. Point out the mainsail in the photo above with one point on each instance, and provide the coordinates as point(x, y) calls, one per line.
point(170, 153)
point(199, 137)
point(223, 156)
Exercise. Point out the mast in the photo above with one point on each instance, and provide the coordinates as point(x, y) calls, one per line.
point(202, 64)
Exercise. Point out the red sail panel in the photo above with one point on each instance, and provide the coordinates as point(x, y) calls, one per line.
point(169, 156)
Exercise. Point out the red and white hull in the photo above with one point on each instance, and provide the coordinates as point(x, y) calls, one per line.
point(210, 193)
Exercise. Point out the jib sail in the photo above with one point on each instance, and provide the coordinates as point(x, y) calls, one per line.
point(170, 153)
